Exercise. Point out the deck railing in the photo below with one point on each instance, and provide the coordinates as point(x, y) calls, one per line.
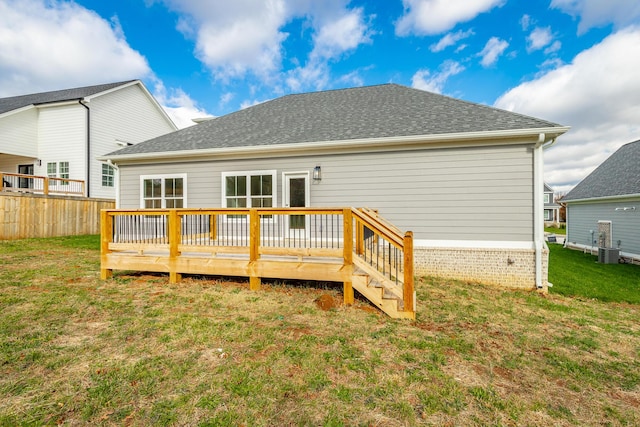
point(17, 182)
point(288, 243)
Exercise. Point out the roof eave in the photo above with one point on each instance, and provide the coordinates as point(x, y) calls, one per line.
point(603, 198)
point(492, 137)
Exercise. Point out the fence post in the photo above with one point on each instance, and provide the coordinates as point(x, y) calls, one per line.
point(254, 245)
point(106, 237)
point(408, 288)
point(347, 237)
point(174, 241)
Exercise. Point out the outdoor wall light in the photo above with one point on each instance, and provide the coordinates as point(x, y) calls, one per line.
point(317, 174)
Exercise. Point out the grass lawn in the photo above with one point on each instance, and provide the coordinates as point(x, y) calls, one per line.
point(576, 274)
point(556, 230)
point(136, 351)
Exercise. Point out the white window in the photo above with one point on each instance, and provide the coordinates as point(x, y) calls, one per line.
point(248, 189)
point(58, 170)
point(546, 198)
point(548, 215)
point(108, 173)
point(64, 169)
point(163, 191)
point(52, 170)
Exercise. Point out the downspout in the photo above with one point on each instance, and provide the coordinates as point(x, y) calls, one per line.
point(538, 204)
point(81, 102)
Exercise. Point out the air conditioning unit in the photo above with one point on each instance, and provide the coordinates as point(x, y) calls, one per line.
point(608, 255)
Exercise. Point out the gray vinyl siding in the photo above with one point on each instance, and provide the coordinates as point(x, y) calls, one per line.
point(478, 193)
point(625, 225)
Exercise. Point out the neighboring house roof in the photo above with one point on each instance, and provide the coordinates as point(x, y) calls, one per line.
point(619, 175)
point(364, 113)
point(16, 102)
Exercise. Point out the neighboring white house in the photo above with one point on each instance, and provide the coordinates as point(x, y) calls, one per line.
point(603, 210)
point(551, 208)
point(467, 179)
point(60, 133)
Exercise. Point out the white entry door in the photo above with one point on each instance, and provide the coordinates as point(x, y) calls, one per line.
point(296, 195)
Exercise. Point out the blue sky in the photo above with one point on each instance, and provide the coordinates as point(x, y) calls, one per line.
point(573, 62)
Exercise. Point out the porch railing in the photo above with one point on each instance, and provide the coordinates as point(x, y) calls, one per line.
point(288, 243)
point(17, 182)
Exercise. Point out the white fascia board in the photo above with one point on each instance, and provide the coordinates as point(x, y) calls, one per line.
point(604, 199)
point(506, 137)
point(473, 244)
point(58, 104)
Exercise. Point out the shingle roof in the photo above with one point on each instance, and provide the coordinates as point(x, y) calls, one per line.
point(15, 102)
point(380, 111)
point(619, 175)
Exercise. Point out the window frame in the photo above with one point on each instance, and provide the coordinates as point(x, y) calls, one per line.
point(163, 198)
point(111, 175)
point(548, 215)
point(248, 196)
point(547, 198)
point(52, 170)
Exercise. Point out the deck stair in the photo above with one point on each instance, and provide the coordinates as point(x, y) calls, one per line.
point(349, 245)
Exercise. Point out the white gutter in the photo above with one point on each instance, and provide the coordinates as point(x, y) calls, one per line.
point(538, 203)
point(362, 143)
point(604, 199)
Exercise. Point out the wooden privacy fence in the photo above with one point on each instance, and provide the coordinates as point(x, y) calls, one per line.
point(20, 183)
point(25, 215)
point(352, 246)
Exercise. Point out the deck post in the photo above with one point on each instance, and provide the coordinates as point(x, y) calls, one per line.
point(174, 241)
point(359, 237)
point(106, 237)
point(348, 255)
point(254, 243)
point(212, 227)
point(45, 186)
point(408, 288)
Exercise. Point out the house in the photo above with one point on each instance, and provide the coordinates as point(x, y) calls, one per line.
point(551, 208)
point(603, 210)
point(465, 178)
point(59, 134)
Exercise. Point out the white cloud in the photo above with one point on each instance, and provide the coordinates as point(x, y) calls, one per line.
point(434, 82)
point(337, 32)
point(340, 35)
point(525, 22)
point(429, 17)
point(450, 39)
point(52, 45)
point(494, 48)
point(178, 105)
point(555, 46)
point(49, 45)
point(597, 94)
point(539, 38)
point(234, 37)
point(245, 37)
point(596, 13)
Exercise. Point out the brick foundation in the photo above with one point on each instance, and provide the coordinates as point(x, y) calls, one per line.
point(510, 268)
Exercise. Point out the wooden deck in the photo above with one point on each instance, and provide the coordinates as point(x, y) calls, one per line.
point(353, 246)
point(20, 183)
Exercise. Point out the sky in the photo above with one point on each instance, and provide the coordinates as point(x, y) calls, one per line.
point(572, 62)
